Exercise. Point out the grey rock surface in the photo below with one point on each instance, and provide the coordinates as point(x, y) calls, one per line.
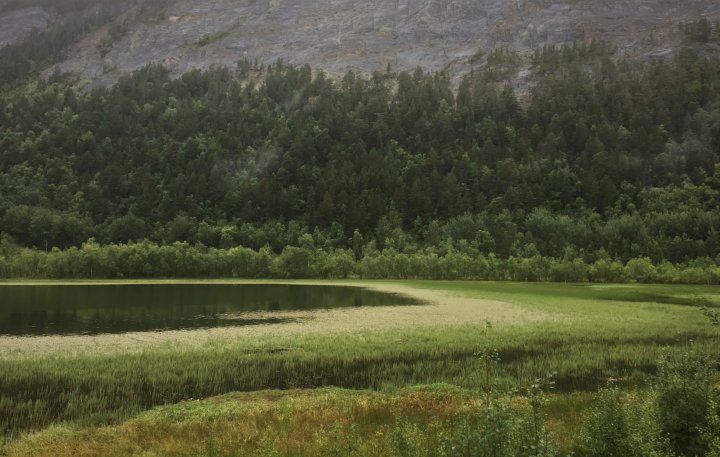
point(367, 35)
point(17, 25)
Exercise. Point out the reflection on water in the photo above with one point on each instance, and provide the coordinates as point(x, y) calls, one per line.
point(93, 309)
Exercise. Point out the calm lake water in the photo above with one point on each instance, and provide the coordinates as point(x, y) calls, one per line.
point(93, 309)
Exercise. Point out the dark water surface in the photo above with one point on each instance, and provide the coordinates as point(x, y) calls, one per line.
point(93, 308)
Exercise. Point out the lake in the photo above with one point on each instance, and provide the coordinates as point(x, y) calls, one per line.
point(87, 309)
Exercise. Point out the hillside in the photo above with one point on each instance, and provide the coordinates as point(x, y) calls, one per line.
point(595, 156)
point(339, 35)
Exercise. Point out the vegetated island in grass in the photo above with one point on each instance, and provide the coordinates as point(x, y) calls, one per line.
point(432, 379)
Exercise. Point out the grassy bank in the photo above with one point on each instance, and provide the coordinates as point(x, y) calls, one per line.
point(320, 422)
point(588, 336)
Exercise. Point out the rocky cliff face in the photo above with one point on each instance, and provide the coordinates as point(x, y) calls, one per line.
point(341, 35)
point(16, 25)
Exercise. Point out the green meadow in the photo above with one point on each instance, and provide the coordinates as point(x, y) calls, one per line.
point(600, 354)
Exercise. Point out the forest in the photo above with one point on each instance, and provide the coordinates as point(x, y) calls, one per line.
point(605, 162)
point(599, 168)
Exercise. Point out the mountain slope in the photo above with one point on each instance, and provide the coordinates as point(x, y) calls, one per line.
point(365, 36)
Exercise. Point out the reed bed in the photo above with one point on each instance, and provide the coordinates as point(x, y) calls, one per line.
point(597, 335)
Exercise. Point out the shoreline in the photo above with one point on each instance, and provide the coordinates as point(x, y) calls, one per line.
point(443, 308)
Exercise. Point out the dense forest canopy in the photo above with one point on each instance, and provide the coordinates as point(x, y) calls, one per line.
point(604, 157)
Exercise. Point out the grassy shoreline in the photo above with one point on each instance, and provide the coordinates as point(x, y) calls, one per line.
point(588, 335)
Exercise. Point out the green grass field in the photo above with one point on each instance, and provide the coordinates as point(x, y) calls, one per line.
point(256, 391)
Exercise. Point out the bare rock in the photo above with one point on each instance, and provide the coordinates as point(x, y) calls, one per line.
point(367, 35)
point(16, 25)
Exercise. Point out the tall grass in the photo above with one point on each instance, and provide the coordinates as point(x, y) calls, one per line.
point(37, 392)
point(423, 421)
point(592, 341)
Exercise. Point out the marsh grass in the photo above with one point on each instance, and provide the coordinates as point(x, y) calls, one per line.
point(419, 421)
point(593, 340)
point(103, 389)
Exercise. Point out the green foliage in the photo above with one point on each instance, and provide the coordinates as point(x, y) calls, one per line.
point(700, 31)
point(539, 439)
point(76, 19)
point(490, 430)
point(115, 32)
point(227, 159)
point(213, 37)
point(617, 427)
point(711, 432)
point(503, 56)
point(642, 269)
point(303, 259)
point(493, 429)
point(105, 45)
point(678, 417)
point(713, 316)
point(686, 401)
point(401, 439)
point(340, 440)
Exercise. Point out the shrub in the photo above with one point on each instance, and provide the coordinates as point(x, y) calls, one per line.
point(489, 431)
point(684, 395)
point(620, 427)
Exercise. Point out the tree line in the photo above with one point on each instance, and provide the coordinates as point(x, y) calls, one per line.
point(147, 259)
